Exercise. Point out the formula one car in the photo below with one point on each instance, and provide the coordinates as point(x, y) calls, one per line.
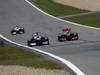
point(38, 40)
point(17, 30)
point(67, 34)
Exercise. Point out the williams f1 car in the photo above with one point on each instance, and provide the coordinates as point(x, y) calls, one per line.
point(67, 34)
point(38, 40)
point(17, 30)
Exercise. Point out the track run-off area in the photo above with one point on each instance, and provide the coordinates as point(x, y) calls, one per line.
point(83, 53)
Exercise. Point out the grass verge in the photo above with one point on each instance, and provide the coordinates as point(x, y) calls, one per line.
point(57, 9)
point(43, 64)
point(14, 53)
point(89, 20)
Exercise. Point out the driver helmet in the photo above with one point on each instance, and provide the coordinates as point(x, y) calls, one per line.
point(38, 33)
point(66, 29)
point(16, 27)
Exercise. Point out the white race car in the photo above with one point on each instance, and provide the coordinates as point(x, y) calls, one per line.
point(17, 30)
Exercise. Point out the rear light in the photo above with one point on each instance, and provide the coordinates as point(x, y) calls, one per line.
point(63, 39)
point(75, 38)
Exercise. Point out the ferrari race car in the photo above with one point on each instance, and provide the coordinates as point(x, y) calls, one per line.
point(38, 40)
point(17, 30)
point(67, 34)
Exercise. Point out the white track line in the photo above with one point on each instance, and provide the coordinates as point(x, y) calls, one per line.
point(61, 19)
point(69, 64)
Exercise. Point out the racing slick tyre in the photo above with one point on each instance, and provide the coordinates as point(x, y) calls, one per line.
point(47, 42)
point(28, 43)
point(13, 33)
point(59, 39)
point(21, 31)
point(77, 38)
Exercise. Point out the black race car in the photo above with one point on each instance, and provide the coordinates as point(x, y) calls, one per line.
point(68, 35)
point(38, 40)
point(17, 30)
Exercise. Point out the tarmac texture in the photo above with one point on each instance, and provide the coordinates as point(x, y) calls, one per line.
point(84, 53)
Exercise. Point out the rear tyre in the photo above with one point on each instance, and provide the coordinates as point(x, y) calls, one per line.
point(21, 32)
point(48, 42)
point(28, 43)
point(59, 39)
point(13, 33)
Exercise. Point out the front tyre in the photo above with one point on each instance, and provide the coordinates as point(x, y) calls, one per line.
point(28, 43)
point(48, 43)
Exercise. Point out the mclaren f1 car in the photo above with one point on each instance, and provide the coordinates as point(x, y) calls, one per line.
point(67, 35)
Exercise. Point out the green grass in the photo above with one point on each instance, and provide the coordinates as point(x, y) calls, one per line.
point(43, 64)
point(57, 9)
point(89, 20)
point(14, 53)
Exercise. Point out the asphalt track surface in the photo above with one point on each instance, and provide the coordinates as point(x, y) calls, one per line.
point(84, 53)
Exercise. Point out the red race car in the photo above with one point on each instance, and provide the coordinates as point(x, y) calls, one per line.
point(67, 34)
